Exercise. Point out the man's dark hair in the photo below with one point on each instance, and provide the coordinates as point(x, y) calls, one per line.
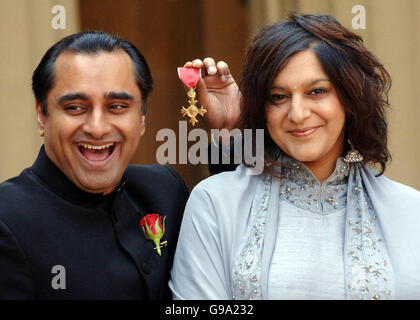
point(89, 42)
point(361, 81)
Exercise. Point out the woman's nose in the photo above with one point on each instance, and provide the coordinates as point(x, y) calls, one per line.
point(299, 109)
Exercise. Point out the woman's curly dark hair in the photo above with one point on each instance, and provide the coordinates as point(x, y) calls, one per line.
point(361, 81)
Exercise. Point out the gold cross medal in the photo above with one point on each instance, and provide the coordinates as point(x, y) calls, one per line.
point(190, 78)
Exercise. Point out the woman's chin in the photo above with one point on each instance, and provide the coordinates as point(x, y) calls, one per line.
point(305, 156)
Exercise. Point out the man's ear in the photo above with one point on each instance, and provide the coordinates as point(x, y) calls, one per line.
point(41, 118)
point(142, 124)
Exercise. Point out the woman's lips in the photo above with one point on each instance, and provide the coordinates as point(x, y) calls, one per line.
point(303, 132)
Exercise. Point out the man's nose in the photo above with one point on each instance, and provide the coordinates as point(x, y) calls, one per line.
point(97, 125)
point(299, 109)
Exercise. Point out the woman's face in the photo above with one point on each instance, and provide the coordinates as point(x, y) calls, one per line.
point(304, 116)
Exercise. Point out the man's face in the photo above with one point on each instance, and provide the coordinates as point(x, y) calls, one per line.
point(94, 122)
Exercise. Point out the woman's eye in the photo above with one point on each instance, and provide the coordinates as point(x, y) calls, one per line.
point(317, 91)
point(278, 97)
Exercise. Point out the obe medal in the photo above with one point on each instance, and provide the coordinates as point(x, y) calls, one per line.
point(190, 78)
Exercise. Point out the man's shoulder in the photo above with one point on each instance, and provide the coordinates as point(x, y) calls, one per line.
point(152, 171)
point(155, 178)
point(18, 196)
point(16, 188)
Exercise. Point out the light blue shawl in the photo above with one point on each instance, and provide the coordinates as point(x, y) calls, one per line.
point(229, 229)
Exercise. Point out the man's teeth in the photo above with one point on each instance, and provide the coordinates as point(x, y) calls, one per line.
point(89, 146)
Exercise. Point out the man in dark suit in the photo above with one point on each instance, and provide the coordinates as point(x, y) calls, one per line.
point(70, 224)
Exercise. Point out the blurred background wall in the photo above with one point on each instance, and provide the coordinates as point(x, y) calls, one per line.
point(170, 32)
point(25, 35)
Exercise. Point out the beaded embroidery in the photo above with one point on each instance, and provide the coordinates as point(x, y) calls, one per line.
point(247, 269)
point(368, 274)
point(299, 187)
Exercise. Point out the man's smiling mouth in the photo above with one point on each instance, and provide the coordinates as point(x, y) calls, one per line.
point(93, 152)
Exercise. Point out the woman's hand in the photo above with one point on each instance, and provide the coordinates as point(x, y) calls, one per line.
point(217, 92)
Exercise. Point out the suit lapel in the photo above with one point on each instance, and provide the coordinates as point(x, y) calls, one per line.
point(127, 216)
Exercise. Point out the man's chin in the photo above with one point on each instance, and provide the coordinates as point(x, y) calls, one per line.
point(99, 184)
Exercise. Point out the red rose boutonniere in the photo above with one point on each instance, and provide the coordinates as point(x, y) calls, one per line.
point(153, 227)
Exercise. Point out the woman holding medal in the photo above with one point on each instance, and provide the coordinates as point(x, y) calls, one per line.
point(319, 223)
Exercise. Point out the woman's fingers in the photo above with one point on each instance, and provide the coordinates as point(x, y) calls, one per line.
point(223, 70)
point(197, 63)
point(210, 66)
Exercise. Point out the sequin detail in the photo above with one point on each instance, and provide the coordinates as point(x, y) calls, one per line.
point(246, 272)
point(299, 187)
point(368, 272)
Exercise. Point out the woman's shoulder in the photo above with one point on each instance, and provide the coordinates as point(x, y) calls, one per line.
point(399, 189)
point(227, 189)
point(226, 181)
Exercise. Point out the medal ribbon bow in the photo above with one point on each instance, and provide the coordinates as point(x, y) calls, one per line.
point(189, 76)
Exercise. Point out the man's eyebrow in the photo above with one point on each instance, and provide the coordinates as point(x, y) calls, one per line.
point(73, 96)
point(118, 95)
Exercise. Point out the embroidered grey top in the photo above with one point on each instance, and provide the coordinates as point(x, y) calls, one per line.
point(300, 187)
point(307, 261)
point(232, 235)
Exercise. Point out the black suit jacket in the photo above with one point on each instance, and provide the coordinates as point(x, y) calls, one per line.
point(46, 221)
